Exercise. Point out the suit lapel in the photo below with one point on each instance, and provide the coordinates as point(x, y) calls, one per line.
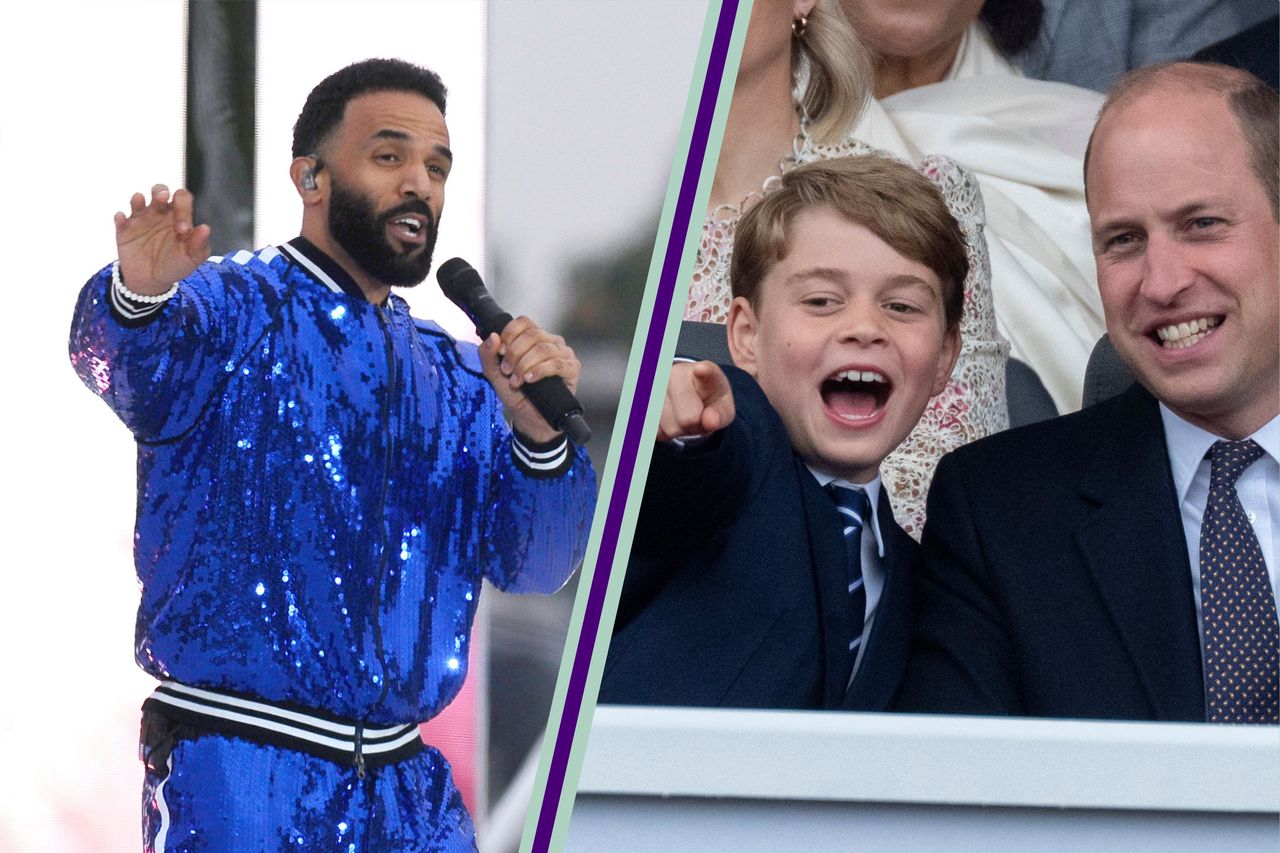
point(830, 583)
point(1135, 548)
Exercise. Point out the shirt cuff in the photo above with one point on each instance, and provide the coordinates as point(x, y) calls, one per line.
point(542, 460)
point(132, 309)
point(682, 442)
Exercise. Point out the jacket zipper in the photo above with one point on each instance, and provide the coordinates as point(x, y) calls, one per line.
point(379, 649)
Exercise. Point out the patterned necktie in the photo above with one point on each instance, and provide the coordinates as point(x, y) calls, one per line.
point(1238, 608)
point(853, 506)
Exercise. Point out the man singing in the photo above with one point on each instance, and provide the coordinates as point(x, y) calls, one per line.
point(323, 482)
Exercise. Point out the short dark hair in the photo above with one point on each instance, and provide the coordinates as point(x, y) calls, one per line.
point(328, 101)
point(1254, 104)
point(890, 199)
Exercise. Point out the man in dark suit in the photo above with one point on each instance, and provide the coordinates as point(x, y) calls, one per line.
point(768, 571)
point(1121, 562)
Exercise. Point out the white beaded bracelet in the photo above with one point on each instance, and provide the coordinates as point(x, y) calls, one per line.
point(118, 283)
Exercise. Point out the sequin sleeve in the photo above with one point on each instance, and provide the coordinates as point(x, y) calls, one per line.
point(159, 375)
point(536, 526)
point(540, 526)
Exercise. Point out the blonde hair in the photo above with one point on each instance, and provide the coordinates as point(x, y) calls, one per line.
point(838, 69)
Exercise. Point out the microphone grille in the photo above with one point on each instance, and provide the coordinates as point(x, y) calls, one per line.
point(458, 279)
point(450, 270)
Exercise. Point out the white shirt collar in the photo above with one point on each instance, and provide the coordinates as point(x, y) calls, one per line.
point(1187, 445)
point(873, 494)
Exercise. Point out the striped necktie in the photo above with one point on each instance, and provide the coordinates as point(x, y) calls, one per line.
point(855, 509)
point(1238, 608)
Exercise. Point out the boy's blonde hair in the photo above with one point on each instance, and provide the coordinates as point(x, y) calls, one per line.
point(890, 199)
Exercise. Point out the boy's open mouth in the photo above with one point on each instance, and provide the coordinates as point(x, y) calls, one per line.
point(855, 395)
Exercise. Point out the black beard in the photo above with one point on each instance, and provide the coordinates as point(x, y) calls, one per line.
point(360, 230)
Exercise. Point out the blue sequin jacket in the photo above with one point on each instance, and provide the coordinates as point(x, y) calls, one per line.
point(322, 485)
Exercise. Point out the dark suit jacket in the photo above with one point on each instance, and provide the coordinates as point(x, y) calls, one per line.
point(736, 591)
point(1054, 579)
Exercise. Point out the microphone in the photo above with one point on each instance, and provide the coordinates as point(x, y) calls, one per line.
point(549, 395)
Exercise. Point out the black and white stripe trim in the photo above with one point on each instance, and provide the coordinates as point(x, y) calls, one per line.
point(541, 459)
point(333, 738)
point(130, 308)
point(311, 267)
point(321, 267)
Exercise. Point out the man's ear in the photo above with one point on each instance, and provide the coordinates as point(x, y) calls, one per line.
point(307, 179)
point(743, 328)
point(947, 356)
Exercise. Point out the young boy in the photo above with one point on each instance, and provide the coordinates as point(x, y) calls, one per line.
point(767, 569)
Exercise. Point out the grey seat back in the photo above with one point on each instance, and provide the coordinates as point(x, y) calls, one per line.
point(1106, 375)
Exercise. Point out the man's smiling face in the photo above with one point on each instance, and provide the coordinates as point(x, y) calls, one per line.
point(1186, 244)
point(388, 162)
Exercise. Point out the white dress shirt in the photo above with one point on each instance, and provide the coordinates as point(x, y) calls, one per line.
point(872, 555)
point(1258, 488)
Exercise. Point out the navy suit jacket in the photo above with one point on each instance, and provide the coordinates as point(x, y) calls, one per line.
point(736, 591)
point(1054, 578)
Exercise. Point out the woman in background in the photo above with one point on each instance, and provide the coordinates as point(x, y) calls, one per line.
point(943, 84)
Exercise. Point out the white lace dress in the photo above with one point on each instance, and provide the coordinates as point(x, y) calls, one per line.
point(973, 404)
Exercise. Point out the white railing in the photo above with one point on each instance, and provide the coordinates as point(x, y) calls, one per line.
point(698, 779)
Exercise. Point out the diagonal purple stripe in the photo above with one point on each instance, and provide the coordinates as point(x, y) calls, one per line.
point(635, 424)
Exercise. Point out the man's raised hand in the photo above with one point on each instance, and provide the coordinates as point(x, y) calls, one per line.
point(157, 242)
point(699, 401)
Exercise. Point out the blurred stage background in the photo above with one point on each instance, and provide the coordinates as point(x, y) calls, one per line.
point(563, 116)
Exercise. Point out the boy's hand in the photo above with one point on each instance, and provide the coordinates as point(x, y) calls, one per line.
point(526, 353)
point(158, 242)
point(699, 401)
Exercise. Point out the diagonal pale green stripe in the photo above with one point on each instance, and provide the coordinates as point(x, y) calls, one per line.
point(707, 172)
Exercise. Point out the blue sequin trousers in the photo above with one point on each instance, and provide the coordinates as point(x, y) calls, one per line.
point(322, 485)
